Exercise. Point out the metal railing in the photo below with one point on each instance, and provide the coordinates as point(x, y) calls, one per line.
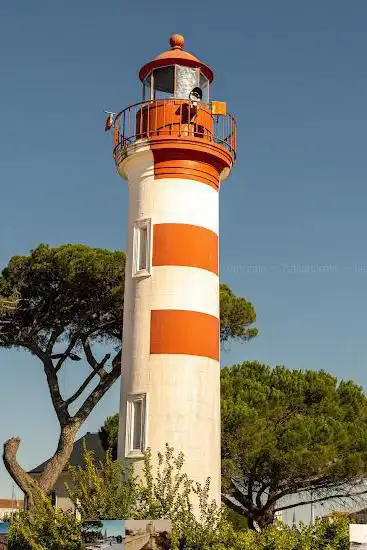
point(176, 118)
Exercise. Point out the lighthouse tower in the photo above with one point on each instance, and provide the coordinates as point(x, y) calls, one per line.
point(174, 148)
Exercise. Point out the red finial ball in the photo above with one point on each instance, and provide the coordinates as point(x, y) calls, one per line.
point(177, 41)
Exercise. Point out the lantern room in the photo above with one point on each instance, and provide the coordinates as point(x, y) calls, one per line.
point(176, 74)
point(176, 108)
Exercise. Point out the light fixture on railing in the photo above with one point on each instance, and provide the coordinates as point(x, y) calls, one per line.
point(196, 95)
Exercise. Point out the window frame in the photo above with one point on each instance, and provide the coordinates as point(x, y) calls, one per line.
point(145, 223)
point(129, 439)
point(148, 78)
point(150, 75)
point(153, 81)
point(207, 99)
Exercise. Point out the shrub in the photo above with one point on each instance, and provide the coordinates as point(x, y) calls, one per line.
point(44, 528)
point(102, 490)
point(106, 491)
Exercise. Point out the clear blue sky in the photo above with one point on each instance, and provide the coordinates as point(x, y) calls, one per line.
point(293, 213)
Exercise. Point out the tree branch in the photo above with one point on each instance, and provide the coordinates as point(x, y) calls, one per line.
point(321, 499)
point(98, 392)
point(57, 463)
point(78, 393)
point(70, 347)
point(53, 383)
point(236, 507)
point(259, 495)
point(59, 404)
point(20, 476)
point(302, 486)
point(240, 496)
point(54, 336)
point(98, 367)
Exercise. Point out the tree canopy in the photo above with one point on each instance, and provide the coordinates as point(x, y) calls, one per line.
point(236, 317)
point(57, 303)
point(109, 434)
point(284, 433)
point(63, 300)
point(287, 432)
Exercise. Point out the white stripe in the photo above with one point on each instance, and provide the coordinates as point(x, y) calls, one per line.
point(169, 200)
point(187, 288)
point(174, 200)
point(177, 200)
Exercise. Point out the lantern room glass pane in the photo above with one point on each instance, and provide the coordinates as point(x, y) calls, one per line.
point(147, 88)
point(187, 79)
point(164, 82)
point(204, 85)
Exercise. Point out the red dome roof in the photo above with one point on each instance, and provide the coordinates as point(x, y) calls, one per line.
point(176, 56)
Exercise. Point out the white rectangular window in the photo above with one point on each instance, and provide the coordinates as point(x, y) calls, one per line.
point(142, 248)
point(136, 424)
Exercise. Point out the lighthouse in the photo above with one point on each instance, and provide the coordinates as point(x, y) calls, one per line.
point(175, 147)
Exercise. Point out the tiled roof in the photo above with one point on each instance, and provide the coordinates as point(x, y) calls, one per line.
point(8, 503)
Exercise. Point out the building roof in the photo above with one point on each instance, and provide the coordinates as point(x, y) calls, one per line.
point(9, 503)
point(93, 443)
point(176, 56)
point(360, 516)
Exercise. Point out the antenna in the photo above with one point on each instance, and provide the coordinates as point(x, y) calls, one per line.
point(12, 499)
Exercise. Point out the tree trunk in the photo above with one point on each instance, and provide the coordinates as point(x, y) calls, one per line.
point(251, 524)
point(265, 518)
point(26, 483)
point(53, 470)
point(57, 463)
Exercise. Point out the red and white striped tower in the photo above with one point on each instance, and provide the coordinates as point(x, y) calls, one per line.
point(174, 148)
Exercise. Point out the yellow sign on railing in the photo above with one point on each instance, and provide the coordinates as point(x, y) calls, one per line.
point(219, 108)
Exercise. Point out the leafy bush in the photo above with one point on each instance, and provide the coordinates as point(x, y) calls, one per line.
point(324, 535)
point(44, 528)
point(102, 490)
point(106, 491)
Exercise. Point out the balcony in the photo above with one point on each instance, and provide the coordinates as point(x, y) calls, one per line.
point(170, 119)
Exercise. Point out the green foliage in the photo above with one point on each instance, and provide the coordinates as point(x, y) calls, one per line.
point(238, 521)
point(102, 490)
point(285, 432)
point(73, 288)
point(106, 491)
point(324, 535)
point(165, 491)
point(63, 300)
point(236, 316)
point(109, 434)
point(57, 302)
point(44, 528)
point(68, 289)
